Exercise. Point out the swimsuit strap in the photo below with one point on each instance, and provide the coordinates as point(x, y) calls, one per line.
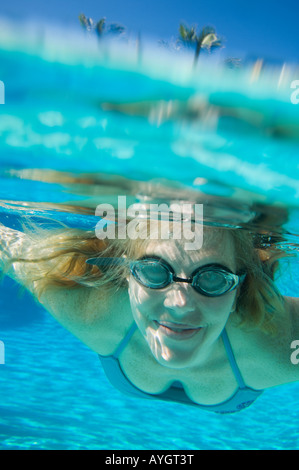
point(232, 360)
point(125, 341)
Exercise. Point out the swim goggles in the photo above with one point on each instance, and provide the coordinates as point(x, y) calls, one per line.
point(211, 280)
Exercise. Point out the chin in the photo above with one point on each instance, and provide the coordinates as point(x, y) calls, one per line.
point(174, 356)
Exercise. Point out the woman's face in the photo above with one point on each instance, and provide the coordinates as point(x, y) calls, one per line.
point(180, 325)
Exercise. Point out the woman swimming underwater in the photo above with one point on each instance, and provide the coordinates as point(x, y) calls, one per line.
point(204, 327)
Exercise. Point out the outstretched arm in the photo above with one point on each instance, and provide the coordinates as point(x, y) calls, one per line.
point(86, 312)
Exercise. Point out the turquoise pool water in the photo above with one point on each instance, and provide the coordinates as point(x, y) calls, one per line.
point(75, 116)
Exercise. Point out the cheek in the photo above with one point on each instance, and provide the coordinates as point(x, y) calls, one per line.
point(143, 299)
point(218, 307)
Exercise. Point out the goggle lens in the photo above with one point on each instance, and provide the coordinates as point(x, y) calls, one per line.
point(211, 281)
point(152, 274)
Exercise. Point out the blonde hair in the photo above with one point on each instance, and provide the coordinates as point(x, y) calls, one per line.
point(57, 259)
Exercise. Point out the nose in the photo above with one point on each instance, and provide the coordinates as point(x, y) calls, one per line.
point(179, 299)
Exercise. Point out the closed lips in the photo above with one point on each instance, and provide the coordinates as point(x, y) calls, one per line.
point(176, 331)
point(177, 327)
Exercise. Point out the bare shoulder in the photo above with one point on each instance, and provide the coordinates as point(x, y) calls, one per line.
point(98, 319)
point(265, 359)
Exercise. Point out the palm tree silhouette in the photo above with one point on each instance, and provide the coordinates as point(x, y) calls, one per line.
point(100, 27)
point(206, 39)
point(86, 23)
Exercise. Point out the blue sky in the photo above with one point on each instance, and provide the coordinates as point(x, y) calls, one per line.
point(265, 28)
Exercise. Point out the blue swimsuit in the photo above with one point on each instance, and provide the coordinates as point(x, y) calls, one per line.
point(242, 398)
